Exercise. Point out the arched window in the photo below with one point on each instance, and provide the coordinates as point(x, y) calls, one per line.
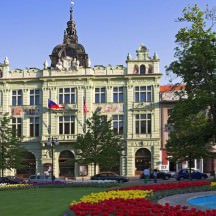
point(142, 69)
point(66, 164)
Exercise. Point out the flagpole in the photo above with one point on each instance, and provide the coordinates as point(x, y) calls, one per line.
point(85, 111)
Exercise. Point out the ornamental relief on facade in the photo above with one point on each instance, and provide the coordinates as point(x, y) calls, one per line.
point(70, 84)
point(117, 83)
point(111, 108)
point(143, 144)
point(67, 63)
point(142, 105)
point(147, 81)
point(23, 111)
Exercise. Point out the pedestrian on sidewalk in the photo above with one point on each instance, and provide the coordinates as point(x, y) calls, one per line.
point(155, 172)
point(146, 173)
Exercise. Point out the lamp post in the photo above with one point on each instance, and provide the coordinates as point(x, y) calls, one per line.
point(52, 142)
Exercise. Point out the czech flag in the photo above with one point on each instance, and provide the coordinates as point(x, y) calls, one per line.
point(52, 104)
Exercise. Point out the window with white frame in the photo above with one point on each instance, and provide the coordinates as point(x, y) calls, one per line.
point(17, 98)
point(118, 94)
point(143, 93)
point(17, 126)
point(67, 125)
point(118, 124)
point(34, 126)
point(67, 95)
point(100, 95)
point(35, 97)
point(143, 124)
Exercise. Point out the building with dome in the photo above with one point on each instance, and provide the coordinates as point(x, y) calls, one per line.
point(129, 94)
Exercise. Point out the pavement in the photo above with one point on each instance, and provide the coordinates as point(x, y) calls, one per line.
point(137, 181)
point(181, 199)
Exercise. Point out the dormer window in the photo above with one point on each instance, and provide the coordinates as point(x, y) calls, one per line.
point(142, 69)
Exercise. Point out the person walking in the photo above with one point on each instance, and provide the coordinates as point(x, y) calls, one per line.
point(155, 172)
point(146, 173)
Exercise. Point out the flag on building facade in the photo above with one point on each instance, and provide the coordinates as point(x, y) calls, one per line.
point(52, 104)
point(84, 105)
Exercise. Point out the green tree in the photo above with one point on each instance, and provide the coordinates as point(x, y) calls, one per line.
point(98, 145)
point(195, 64)
point(187, 140)
point(10, 146)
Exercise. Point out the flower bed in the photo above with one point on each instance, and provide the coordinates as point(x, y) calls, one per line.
point(135, 200)
point(95, 183)
point(98, 197)
point(15, 186)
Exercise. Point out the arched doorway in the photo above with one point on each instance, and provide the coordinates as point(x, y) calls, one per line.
point(142, 160)
point(28, 165)
point(66, 164)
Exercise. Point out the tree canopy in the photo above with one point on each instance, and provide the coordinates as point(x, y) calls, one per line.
point(98, 145)
point(194, 117)
point(10, 146)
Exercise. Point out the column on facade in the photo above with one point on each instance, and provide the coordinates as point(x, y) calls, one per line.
point(130, 161)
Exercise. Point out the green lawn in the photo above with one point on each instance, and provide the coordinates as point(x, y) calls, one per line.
point(40, 202)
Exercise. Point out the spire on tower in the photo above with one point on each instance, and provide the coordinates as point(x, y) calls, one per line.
point(71, 10)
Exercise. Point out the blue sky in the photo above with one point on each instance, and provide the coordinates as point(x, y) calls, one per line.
point(108, 29)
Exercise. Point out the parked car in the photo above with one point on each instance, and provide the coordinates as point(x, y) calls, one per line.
point(172, 173)
point(44, 179)
point(195, 174)
point(160, 175)
point(7, 181)
point(16, 179)
point(110, 176)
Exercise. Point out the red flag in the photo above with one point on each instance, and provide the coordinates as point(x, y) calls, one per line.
point(84, 105)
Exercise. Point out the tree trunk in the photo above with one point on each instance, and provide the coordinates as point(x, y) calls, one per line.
point(95, 166)
point(190, 163)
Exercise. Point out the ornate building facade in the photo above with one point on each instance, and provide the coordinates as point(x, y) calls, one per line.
point(127, 94)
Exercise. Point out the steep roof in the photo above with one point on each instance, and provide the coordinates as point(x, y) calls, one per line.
point(170, 88)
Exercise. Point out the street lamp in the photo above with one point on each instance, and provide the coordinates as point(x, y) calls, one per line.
point(51, 142)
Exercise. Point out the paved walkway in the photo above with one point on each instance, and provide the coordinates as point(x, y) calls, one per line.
point(181, 199)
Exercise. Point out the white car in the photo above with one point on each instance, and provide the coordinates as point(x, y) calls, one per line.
point(44, 179)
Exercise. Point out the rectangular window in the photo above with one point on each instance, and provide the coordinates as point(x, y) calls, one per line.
point(100, 95)
point(67, 95)
point(143, 124)
point(67, 125)
point(17, 126)
point(35, 97)
point(118, 124)
point(143, 93)
point(118, 94)
point(34, 127)
point(17, 98)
